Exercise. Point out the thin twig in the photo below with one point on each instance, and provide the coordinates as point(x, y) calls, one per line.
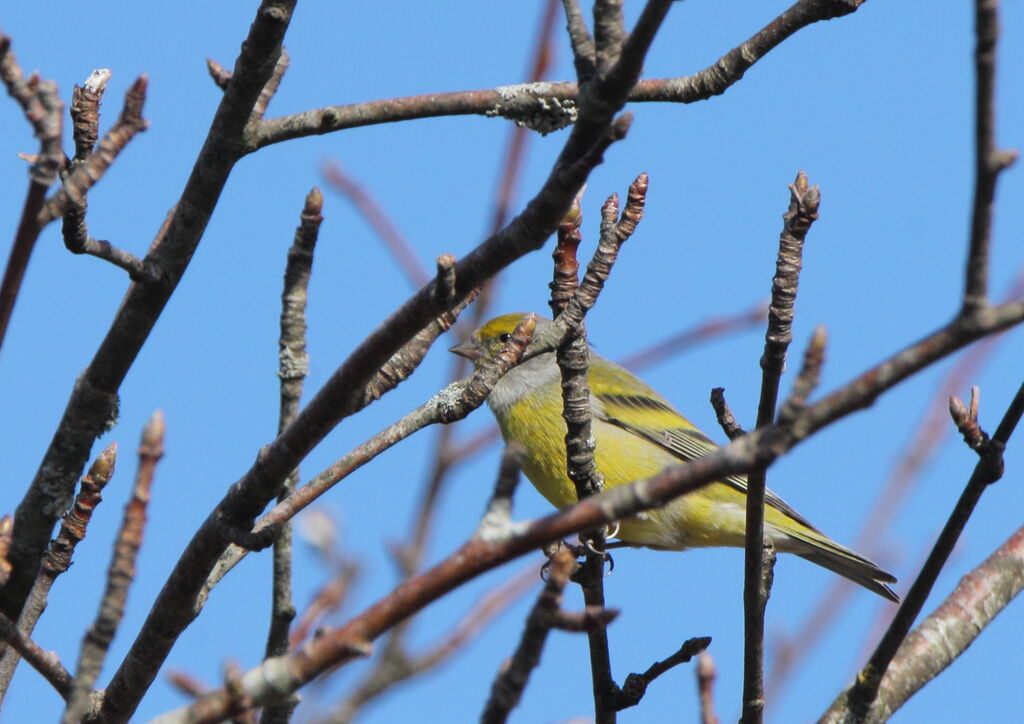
point(293, 365)
point(635, 687)
point(726, 419)
point(57, 558)
point(703, 331)
point(580, 40)
point(396, 665)
point(77, 184)
point(43, 110)
point(989, 162)
point(270, 87)
point(46, 663)
point(988, 470)
point(120, 574)
point(705, 688)
point(328, 599)
point(85, 104)
point(929, 433)
point(940, 638)
point(451, 404)
point(379, 220)
point(757, 449)
point(802, 212)
point(511, 681)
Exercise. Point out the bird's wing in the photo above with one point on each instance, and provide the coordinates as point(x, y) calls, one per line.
point(650, 417)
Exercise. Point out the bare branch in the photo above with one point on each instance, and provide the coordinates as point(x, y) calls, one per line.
point(938, 640)
point(85, 106)
point(120, 574)
point(86, 174)
point(636, 684)
point(705, 688)
point(57, 558)
point(92, 404)
point(43, 110)
point(583, 52)
point(860, 697)
point(46, 663)
point(726, 419)
point(511, 681)
point(379, 221)
point(802, 212)
point(549, 106)
point(989, 162)
point(293, 365)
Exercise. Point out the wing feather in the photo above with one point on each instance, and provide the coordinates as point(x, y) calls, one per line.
point(667, 428)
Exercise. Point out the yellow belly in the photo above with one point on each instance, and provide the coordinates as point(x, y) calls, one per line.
point(712, 516)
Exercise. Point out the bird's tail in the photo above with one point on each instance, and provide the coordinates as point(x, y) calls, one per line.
point(824, 551)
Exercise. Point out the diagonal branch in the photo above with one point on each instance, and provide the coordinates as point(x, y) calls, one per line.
point(859, 698)
point(94, 399)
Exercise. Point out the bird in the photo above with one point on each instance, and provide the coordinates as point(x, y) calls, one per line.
point(638, 433)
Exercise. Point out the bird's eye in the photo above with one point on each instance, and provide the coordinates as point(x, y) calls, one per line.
point(504, 337)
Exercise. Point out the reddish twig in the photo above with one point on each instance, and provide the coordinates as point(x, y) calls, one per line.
point(705, 688)
point(378, 220)
point(57, 558)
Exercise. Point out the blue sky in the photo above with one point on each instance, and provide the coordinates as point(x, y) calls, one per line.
point(875, 107)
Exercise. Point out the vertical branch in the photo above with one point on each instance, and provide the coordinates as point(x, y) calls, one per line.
point(705, 688)
point(120, 575)
point(573, 361)
point(989, 161)
point(293, 366)
point(43, 110)
point(759, 555)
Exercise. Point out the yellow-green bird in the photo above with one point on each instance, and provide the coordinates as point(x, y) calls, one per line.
point(638, 434)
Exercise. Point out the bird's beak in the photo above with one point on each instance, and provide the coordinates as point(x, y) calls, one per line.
point(470, 349)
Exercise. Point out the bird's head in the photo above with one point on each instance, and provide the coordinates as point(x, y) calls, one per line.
point(488, 340)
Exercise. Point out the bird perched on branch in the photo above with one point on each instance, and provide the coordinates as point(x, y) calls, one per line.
point(639, 434)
